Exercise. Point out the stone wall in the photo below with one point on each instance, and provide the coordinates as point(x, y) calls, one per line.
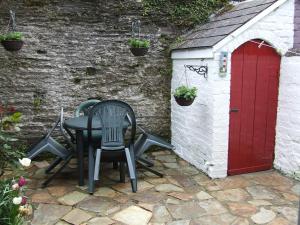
point(76, 49)
point(287, 154)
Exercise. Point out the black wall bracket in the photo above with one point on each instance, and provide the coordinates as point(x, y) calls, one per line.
point(201, 70)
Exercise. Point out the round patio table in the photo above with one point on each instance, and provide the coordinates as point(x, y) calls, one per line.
point(80, 124)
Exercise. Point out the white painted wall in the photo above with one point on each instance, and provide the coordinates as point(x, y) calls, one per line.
point(200, 132)
point(287, 150)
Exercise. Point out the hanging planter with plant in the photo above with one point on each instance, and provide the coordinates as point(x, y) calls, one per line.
point(12, 40)
point(139, 47)
point(185, 96)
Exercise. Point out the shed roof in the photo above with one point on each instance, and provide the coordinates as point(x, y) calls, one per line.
point(220, 26)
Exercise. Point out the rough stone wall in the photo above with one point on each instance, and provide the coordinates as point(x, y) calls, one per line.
point(76, 49)
point(287, 151)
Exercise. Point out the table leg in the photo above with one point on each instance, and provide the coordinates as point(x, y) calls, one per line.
point(80, 156)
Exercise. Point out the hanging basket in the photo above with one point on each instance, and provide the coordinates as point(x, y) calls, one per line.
point(139, 51)
point(13, 45)
point(183, 101)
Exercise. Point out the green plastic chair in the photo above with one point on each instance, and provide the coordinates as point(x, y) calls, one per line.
point(83, 110)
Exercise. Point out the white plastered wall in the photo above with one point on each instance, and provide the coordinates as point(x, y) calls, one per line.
point(200, 132)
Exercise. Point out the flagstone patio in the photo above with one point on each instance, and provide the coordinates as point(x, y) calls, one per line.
point(185, 196)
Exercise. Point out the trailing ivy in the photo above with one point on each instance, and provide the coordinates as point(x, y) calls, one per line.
point(184, 13)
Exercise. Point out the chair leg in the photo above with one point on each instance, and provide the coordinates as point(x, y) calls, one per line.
point(115, 165)
point(97, 164)
point(122, 172)
point(91, 170)
point(53, 165)
point(58, 171)
point(131, 168)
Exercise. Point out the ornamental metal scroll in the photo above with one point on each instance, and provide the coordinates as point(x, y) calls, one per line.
point(201, 70)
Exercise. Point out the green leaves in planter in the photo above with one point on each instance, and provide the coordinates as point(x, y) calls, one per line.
point(185, 92)
point(139, 43)
point(13, 36)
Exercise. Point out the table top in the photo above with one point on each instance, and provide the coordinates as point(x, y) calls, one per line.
point(80, 123)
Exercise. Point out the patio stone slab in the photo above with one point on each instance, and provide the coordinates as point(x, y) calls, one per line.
point(156, 180)
point(288, 212)
point(149, 197)
point(222, 219)
point(101, 205)
point(168, 188)
point(185, 181)
point(43, 196)
point(202, 195)
point(234, 195)
point(279, 221)
point(296, 189)
point(190, 171)
point(291, 197)
point(241, 221)
point(179, 222)
point(77, 216)
point(171, 165)
point(173, 201)
point(161, 215)
point(62, 223)
point(59, 191)
point(41, 164)
point(48, 214)
point(133, 215)
point(242, 209)
point(263, 216)
point(105, 192)
point(126, 187)
point(166, 158)
point(72, 198)
point(259, 202)
point(181, 196)
point(260, 192)
point(187, 210)
point(212, 207)
point(100, 221)
point(147, 206)
point(233, 182)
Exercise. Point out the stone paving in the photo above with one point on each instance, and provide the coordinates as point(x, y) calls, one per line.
point(185, 196)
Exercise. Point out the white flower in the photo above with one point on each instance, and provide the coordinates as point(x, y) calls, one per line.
point(15, 186)
point(25, 162)
point(17, 200)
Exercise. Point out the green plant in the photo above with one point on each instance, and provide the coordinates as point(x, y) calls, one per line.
point(9, 120)
point(13, 36)
point(9, 212)
point(13, 203)
point(186, 92)
point(139, 43)
point(184, 13)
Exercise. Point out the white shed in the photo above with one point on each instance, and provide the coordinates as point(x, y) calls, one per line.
point(246, 116)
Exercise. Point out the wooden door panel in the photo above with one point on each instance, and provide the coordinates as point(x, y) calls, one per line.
point(254, 91)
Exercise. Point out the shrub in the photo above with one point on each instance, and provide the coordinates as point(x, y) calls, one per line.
point(186, 92)
point(139, 43)
point(12, 36)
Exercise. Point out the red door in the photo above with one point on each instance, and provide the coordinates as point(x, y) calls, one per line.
point(253, 108)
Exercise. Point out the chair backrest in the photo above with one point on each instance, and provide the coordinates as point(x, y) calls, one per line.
point(85, 107)
point(113, 116)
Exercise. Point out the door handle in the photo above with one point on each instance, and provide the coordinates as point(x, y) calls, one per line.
point(234, 110)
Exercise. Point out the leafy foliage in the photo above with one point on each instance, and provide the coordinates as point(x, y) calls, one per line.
point(13, 36)
point(186, 92)
point(139, 43)
point(9, 212)
point(184, 12)
point(9, 120)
